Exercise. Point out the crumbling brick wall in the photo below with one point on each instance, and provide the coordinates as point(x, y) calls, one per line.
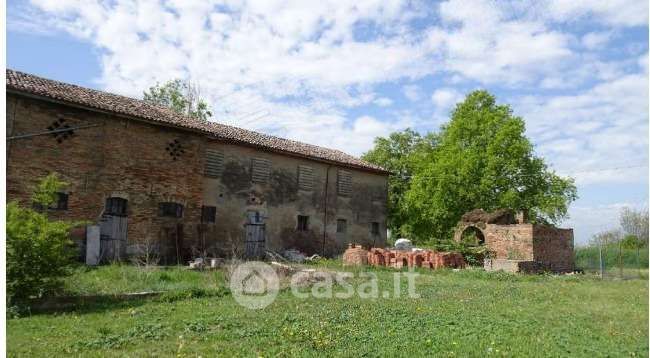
point(512, 242)
point(548, 247)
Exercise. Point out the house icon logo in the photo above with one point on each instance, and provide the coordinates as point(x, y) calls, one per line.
point(254, 284)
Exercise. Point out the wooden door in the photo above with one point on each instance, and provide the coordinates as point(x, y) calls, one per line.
point(255, 235)
point(113, 235)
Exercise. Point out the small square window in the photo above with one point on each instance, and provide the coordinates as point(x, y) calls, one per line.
point(171, 210)
point(303, 223)
point(208, 214)
point(374, 228)
point(341, 226)
point(115, 206)
point(60, 203)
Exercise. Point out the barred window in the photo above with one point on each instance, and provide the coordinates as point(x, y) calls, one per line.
point(374, 228)
point(341, 226)
point(303, 223)
point(172, 210)
point(344, 182)
point(208, 214)
point(115, 206)
point(60, 203)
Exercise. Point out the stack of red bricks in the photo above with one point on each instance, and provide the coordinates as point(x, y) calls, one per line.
point(354, 255)
point(420, 258)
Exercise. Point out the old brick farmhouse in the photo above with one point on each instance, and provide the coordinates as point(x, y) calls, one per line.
point(148, 176)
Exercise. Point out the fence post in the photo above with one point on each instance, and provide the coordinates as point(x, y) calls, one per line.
point(600, 258)
point(620, 259)
point(638, 263)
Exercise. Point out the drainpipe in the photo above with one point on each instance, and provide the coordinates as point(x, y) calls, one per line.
point(327, 179)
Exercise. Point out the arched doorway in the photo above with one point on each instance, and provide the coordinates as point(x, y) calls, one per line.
point(473, 239)
point(472, 236)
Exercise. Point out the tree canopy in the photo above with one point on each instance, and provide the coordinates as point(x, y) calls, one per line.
point(480, 159)
point(181, 96)
point(398, 153)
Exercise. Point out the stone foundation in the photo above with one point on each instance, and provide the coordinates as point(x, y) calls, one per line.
point(512, 266)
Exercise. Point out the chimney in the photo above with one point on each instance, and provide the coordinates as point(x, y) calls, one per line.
point(522, 216)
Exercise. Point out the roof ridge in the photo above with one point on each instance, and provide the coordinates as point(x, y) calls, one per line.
point(133, 107)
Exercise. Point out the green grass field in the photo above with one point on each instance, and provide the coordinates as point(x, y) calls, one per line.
point(459, 313)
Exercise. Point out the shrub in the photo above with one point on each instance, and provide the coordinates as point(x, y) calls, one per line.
point(39, 251)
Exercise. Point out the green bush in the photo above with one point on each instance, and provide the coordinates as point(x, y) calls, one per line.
point(472, 252)
point(39, 251)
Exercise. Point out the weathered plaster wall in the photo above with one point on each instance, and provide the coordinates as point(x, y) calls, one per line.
point(280, 201)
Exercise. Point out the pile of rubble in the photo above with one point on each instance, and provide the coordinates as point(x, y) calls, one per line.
point(355, 255)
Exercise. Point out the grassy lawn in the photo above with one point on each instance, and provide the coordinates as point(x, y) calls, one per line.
point(462, 313)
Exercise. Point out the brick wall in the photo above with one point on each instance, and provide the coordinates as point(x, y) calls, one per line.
point(512, 242)
point(129, 159)
point(554, 248)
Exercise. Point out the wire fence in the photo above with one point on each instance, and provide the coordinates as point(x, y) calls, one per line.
point(613, 261)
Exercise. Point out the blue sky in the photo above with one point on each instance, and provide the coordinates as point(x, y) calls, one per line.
point(338, 75)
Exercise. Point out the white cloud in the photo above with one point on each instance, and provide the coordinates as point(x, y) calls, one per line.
point(596, 40)
point(412, 92)
point(588, 220)
point(383, 102)
point(295, 68)
point(612, 12)
point(445, 98)
point(603, 127)
point(301, 76)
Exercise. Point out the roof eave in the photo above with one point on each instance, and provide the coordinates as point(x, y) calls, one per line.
point(25, 93)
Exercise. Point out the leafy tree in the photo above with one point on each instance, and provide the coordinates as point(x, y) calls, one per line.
point(606, 237)
point(45, 192)
point(631, 242)
point(181, 96)
point(635, 223)
point(39, 251)
point(398, 153)
point(481, 159)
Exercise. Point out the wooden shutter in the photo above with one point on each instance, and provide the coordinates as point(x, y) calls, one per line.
point(213, 163)
point(344, 183)
point(260, 170)
point(305, 177)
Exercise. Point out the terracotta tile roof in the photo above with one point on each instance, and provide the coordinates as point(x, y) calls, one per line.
point(92, 99)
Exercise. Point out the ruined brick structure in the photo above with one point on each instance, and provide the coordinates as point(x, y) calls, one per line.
point(148, 176)
point(355, 255)
point(517, 245)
